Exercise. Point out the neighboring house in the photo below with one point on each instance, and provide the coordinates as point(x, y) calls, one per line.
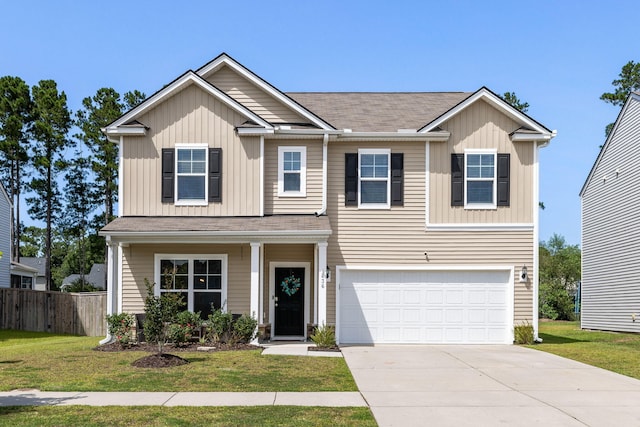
point(96, 277)
point(5, 238)
point(611, 229)
point(397, 217)
point(38, 264)
point(23, 276)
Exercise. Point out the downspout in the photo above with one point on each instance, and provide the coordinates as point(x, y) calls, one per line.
point(325, 143)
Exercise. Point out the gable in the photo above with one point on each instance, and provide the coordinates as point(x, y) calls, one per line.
point(254, 98)
point(190, 115)
point(619, 144)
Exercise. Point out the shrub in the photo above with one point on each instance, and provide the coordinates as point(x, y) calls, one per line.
point(121, 327)
point(185, 327)
point(219, 326)
point(555, 301)
point(523, 334)
point(160, 313)
point(80, 285)
point(324, 336)
point(244, 329)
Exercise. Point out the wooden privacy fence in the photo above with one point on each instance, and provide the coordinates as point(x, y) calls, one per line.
point(56, 312)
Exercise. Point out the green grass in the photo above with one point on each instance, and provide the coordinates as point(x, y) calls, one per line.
point(67, 363)
point(183, 416)
point(614, 351)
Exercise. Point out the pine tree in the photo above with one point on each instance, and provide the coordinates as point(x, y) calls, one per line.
point(15, 119)
point(52, 121)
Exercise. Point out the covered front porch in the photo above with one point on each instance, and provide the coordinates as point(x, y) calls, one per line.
point(272, 268)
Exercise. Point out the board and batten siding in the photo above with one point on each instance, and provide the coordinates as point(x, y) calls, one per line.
point(611, 231)
point(397, 236)
point(274, 204)
point(481, 126)
point(138, 264)
point(5, 240)
point(191, 116)
point(253, 97)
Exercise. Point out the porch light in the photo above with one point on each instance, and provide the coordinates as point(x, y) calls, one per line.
point(327, 273)
point(523, 274)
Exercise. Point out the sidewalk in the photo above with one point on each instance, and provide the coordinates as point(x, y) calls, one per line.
point(42, 398)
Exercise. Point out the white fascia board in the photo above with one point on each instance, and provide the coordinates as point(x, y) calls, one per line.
point(180, 83)
point(480, 227)
point(635, 97)
point(225, 59)
point(492, 99)
point(524, 136)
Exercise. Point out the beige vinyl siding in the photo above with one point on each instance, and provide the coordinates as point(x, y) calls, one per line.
point(397, 236)
point(274, 204)
point(138, 264)
point(191, 116)
point(610, 231)
point(288, 253)
point(481, 126)
point(252, 97)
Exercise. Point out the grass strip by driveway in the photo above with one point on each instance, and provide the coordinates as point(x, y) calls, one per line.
point(67, 363)
point(614, 351)
point(184, 416)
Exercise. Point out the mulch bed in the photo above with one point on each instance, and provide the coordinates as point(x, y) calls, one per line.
point(167, 360)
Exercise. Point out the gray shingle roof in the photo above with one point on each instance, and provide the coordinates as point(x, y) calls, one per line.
point(34, 262)
point(379, 111)
point(277, 223)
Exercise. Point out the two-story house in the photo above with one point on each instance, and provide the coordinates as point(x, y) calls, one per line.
point(396, 217)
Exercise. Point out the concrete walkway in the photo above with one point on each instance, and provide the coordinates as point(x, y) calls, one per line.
point(487, 386)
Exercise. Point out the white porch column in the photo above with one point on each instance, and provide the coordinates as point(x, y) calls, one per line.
point(112, 288)
point(254, 310)
point(322, 283)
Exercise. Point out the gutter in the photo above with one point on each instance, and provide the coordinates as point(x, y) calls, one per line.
point(325, 143)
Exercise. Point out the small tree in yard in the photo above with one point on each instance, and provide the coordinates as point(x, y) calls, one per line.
point(160, 313)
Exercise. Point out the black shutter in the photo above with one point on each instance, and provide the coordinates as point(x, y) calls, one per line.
point(351, 179)
point(215, 174)
point(397, 179)
point(457, 179)
point(168, 175)
point(503, 179)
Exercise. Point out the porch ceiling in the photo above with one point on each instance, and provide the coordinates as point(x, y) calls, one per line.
point(242, 229)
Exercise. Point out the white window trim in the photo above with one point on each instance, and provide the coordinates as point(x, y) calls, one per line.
point(190, 290)
point(486, 206)
point(192, 202)
point(387, 205)
point(303, 171)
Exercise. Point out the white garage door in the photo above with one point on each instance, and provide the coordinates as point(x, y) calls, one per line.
point(440, 307)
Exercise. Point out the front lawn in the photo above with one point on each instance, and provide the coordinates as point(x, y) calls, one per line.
point(614, 351)
point(184, 416)
point(51, 362)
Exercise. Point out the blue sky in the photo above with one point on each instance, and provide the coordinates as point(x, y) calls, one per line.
point(559, 56)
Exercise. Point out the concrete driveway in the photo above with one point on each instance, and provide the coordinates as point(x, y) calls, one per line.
point(489, 386)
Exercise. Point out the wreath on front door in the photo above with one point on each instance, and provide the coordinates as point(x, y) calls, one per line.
point(290, 285)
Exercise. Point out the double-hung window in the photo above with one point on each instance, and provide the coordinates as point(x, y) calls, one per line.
point(200, 279)
point(191, 174)
point(480, 179)
point(292, 171)
point(374, 178)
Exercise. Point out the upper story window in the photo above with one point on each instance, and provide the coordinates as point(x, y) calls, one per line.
point(191, 174)
point(480, 179)
point(292, 171)
point(374, 178)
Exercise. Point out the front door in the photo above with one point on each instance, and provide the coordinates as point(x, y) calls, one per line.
point(289, 301)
